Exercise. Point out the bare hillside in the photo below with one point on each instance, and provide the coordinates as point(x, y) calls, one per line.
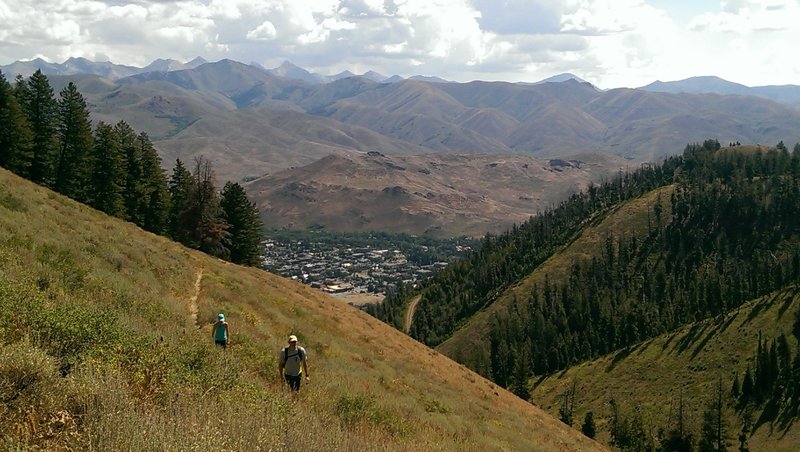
point(442, 195)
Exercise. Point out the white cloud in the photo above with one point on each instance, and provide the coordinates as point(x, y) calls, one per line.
point(264, 32)
point(609, 42)
point(746, 16)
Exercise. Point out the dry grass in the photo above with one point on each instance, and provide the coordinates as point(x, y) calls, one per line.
point(101, 312)
point(444, 195)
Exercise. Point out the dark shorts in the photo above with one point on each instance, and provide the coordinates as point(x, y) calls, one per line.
point(223, 344)
point(293, 382)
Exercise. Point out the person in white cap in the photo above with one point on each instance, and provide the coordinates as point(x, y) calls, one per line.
point(221, 332)
point(293, 364)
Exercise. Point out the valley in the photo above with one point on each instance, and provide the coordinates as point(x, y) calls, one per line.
point(545, 248)
point(350, 264)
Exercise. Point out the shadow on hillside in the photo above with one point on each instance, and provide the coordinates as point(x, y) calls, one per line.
point(622, 354)
point(691, 336)
point(776, 418)
point(790, 297)
point(723, 322)
point(667, 343)
point(539, 381)
point(758, 309)
point(700, 346)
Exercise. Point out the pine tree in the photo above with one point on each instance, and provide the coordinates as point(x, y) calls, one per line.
point(134, 193)
point(567, 410)
point(16, 141)
point(679, 438)
point(748, 386)
point(207, 230)
point(245, 225)
point(107, 179)
point(714, 430)
point(153, 186)
point(181, 187)
point(40, 107)
point(74, 131)
point(588, 428)
point(735, 386)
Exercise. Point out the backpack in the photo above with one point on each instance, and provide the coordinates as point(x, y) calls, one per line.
point(285, 352)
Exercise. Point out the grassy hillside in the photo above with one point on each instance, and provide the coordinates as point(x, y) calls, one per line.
point(629, 219)
point(105, 344)
point(652, 375)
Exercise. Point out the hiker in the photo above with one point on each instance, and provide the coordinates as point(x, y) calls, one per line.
point(292, 356)
point(221, 332)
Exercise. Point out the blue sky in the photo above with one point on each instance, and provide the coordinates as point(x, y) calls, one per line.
point(610, 43)
point(682, 12)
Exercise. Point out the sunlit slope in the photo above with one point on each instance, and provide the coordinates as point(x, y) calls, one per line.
point(627, 219)
point(103, 346)
point(652, 375)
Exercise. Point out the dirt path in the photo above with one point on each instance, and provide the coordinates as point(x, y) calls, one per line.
point(410, 312)
point(193, 298)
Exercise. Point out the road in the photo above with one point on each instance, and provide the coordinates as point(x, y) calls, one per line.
point(410, 312)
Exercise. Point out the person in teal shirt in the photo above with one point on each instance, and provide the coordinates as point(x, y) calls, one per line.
point(221, 332)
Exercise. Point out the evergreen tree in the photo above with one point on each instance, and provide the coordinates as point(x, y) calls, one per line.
point(245, 225)
point(107, 179)
point(40, 107)
point(181, 189)
point(735, 386)
point(207, 230)
point(588, 428)
point(747, 426)
point(15, 137)
point(134, 192)
point(567, 410)
point(748, 386)
point(153, 187)
point(678, 438)
point(714, 430)
point(74, 132)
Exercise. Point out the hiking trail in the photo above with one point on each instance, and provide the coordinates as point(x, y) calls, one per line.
point(193, 298)
point(410, 312)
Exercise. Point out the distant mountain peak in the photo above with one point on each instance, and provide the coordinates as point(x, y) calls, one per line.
point(560, 78)
point(197, 61)
point(699, 84)
point(374, 76)
point(428, 78)
point(291, 71)
point(341, 75)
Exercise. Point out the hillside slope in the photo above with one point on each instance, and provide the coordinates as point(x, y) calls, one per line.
point(629, 219)
point(653, 374)
point(104, 344)
point(441, 195)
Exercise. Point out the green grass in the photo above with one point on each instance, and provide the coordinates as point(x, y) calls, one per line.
point(99, 350)
point(652, 375)
point(629, 219)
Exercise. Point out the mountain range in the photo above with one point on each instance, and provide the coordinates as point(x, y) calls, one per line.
point(784, 94)
point(251, 122)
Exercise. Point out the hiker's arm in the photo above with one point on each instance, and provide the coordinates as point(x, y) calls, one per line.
point(305, 369)
point(280, 368)
point(227, 334)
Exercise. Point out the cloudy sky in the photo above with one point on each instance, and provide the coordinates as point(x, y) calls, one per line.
point(610, 43)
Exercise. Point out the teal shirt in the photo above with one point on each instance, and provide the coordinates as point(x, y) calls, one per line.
point(220, 332)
